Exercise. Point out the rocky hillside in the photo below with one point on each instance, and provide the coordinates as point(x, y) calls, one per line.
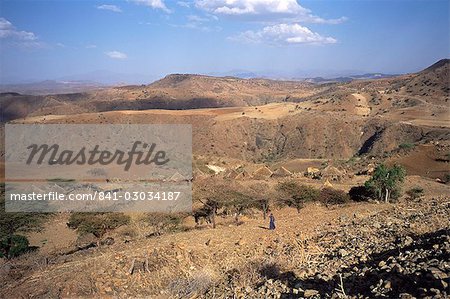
point(434, 81)
point(359, 250)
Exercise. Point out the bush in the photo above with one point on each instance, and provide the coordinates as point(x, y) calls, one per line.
point(11, 243)
point(447, 178)
point(165, 221)
point(14, 246)
point(361, 193)
point(97, 223)
point(406, 146)
point(415, 192)
point(332, 196)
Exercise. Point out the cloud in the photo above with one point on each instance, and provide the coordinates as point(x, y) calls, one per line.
point(184, 4)
point(318, 20)
point(198, 26)
point(264, 10)
point(110, 7)
point(198, 19)
point(7, 30)
point(116, 55)
point(242, 7)
point(156, 4)
point(11, 36)
point(91, 46)
point(198, 23)
point(283, 34)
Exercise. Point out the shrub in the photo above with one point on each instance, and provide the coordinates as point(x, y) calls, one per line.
point(332, 196)
point(11, 243)
point(406, 146)
point(165, 221)
point(447, 178)
point(361, 193)
point(415, 192)
point(97, 223)
point(14, 246)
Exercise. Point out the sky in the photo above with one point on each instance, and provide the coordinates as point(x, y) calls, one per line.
point(142, 40)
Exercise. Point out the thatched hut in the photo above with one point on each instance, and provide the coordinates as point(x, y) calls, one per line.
point(282, 172)
point(244, 175)
point(262, 173)
point(231, 174)
point(331, 173)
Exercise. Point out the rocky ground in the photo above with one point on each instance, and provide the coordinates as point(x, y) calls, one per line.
point(358, 250)
point(376, 257)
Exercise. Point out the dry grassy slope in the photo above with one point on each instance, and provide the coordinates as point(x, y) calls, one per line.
point(209, 254)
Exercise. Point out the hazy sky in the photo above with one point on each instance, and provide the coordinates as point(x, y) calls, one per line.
point(51, 39)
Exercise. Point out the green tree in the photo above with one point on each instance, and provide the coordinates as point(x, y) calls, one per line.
point(386, 182)
point(296, 195)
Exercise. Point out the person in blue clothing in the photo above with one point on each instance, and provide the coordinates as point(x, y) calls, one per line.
point(271, 222)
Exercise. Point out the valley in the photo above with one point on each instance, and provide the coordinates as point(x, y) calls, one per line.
point(251, 136)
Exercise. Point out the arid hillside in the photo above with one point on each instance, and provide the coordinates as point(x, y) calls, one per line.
point(174, 92)
point(263, 120)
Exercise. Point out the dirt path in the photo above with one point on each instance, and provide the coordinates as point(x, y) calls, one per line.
point(54, 237)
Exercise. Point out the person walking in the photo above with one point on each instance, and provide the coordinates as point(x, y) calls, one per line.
point(271, 222)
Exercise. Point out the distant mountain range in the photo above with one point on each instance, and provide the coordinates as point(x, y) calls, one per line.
point(51, 87)
point(111, 78)
point(344, 76)
point(368, 76)
point(101, 79)
point(73, 83)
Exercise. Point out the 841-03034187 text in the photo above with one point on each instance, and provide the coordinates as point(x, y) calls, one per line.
point(142, 195)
